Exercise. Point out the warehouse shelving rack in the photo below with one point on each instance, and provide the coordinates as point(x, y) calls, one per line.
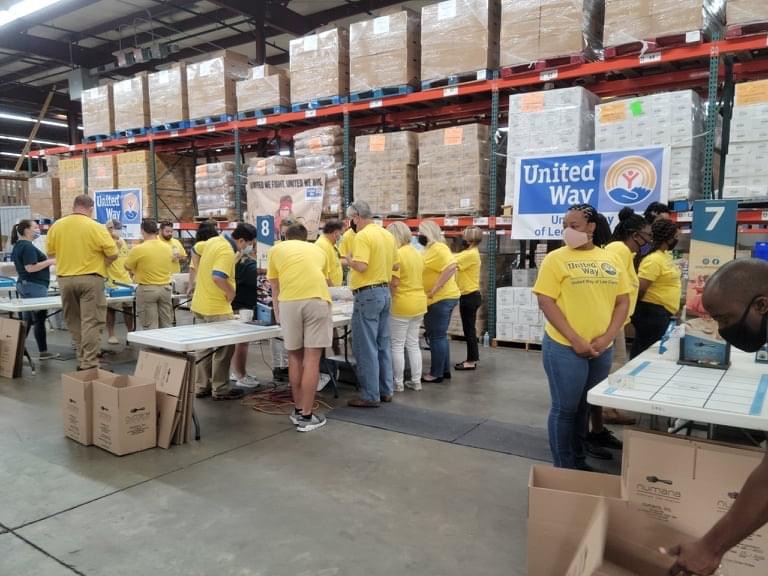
point(709, 66)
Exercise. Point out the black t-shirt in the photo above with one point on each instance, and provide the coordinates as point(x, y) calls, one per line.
point(246, 284)
point(24, 253)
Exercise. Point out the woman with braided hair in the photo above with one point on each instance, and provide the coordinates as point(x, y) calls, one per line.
point(583, 291)
point(660, 288)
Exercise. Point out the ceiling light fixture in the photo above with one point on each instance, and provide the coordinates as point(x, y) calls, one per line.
point(20, 118)
point(43, 142)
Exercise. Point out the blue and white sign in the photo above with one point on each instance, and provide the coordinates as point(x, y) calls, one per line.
point(546, 186)
point(265, 230)
point(124, 206)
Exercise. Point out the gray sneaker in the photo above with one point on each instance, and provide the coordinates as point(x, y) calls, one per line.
point(295, 416)
point(46, 355)
point(315, 422)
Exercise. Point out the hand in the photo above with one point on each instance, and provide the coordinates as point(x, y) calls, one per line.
point(694, 558)
point(601, 343)
point(190, 289)
point(51, 261)
point(584, 348)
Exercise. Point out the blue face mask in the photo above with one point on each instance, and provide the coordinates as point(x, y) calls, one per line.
point(645, 249)
point(35, 235)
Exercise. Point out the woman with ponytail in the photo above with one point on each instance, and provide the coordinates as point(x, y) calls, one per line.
point(584, 294)
point(33, 270)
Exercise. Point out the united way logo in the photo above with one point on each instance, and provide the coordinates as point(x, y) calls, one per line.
point(131, 207)
point(631, 180)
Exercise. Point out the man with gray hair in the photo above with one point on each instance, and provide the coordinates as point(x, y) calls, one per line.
point(371, 262)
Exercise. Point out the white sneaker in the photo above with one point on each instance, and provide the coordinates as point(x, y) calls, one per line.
point(399, 387)
point(247, 381)
point(313, 423)
point(113, 340)
point(416, 386)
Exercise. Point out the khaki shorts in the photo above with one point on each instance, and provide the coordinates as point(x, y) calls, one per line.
point(306, 324)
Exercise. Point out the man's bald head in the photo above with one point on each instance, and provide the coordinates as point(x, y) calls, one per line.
point(736, 285)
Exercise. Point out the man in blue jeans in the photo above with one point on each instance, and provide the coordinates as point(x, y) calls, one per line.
point(371, 262)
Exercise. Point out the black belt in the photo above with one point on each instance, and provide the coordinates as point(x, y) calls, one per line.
point(371, 287)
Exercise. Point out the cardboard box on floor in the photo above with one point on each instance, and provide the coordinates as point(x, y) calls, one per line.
point(11, 347)
point(77, 402)
point(124, 414)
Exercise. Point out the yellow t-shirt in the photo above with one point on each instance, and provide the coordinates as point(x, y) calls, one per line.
point(79, 245)
point(116, 271)
point(175, 243)
point(217, 257)
point(622, 252)
point(584, 284)
point(151, 262)
point(332, 269)
point(300, 268)
point(345, 244)
point(436, 259)
point(376, 247)
point(409, 300)
point(664, 276)
point(468, 276)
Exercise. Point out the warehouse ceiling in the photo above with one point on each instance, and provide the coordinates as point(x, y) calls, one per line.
point(40, 51)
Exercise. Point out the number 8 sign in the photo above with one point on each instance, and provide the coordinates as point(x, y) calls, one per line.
point(265, 230)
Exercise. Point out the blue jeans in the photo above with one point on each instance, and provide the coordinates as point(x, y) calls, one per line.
point(570, 378)
point(436, 327)
point(27, 289)
point(371, 343)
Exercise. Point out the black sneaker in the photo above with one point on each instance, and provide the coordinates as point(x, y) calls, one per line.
point(598, 451)
point(230, 394)
point(605, 439)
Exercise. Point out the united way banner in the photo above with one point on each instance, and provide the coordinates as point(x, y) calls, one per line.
point(546, 186)
point(123, 206)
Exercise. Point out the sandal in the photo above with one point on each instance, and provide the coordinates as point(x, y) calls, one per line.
point(463, 366)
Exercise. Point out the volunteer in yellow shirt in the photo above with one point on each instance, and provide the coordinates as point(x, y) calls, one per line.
point(327, 243)
point(117, 274)
point(583, 292)
point(83, 249)
point(660, 288)
point(296, 270)
point(151, 263)
point(372, 259)
point(468, 280)
point(211, 302)
point(442, 296)
point(409, 304)
point(179, 254)
point(205, 231)
point(345, 244)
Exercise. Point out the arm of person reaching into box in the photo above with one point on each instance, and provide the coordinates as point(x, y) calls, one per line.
point(748, 513)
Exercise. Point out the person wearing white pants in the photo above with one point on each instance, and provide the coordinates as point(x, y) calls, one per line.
point(409, 304)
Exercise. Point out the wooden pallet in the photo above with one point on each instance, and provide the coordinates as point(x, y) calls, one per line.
point(456, 79)
point(544, 64)
point(739, 30)
point(655, 44)
point(519, 345)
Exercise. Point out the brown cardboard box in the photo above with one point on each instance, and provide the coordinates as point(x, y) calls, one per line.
point(131, 98)
point(124, 415)
point(266, 87)
point(385, 52)
point(102, 171)
point(71, 175)
point(77, 402)
point(320, 65)
point(98, 111)
point(746, 11)
point(11, 347)
point(44, 198)
point(168, 95)
point(459, 36)
point(211, 84)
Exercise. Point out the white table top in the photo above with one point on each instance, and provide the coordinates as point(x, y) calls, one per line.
point(656, 384)
point(197, 337)
point(48, 303)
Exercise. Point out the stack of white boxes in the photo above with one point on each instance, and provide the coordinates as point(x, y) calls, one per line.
point(674, 119)
point(747, 168)
point(548, 122)
point(518, 318)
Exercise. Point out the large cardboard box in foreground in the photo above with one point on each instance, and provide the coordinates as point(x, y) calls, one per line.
point(124, 414)
point(77, 402)
point(11, 347)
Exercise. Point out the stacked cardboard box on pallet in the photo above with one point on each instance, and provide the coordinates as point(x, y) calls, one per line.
point(674, 119)
point(168, 101)
point(271, 165)
point(548, 122)
point(384, 52)
point(319, 66)
point(175, 182)
point(211, 84)
point(747, 164)
point(534, 30)
point(746, 12)
point(13, 191)
point(98, 111)
point(453, 170)
point(102, 172)
point(386, 172)
point(265, 87)
point(44, 199)
point(215, 189)
point(131, 98)
point(518, 318)
point(71, 182)
point(629, 21)
point(458, 37)
point(321, 150)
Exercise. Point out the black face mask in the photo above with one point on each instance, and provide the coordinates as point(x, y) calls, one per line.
point(672, 243)
point(742, 336)
point(423, 240)
point(353, 225)
point(464, 244)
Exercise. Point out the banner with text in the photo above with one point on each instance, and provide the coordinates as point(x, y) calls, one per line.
point(123, 206)
point(546, 186)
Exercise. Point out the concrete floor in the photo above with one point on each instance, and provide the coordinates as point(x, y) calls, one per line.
point(256, 498)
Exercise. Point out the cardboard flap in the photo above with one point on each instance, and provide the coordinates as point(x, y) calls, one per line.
point(166, 371)
point(589, 555)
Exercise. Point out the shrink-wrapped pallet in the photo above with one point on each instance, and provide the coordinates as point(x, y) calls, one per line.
point(168, 102)
point(98, 111)
point(211, 84)
point(319, 66)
